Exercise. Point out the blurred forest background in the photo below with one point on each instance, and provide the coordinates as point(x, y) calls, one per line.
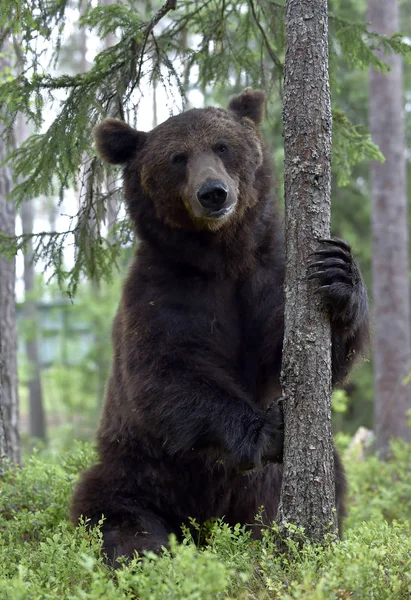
point(64, 66)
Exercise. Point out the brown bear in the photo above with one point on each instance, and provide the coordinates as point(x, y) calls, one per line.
point(190, 427)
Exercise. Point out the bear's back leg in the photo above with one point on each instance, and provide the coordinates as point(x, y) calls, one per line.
point(148, 533)
point(257, 489)
point(252, 491)
point(129, 525)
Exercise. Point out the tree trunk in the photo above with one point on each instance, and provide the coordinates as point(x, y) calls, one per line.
point(37, 428)
point(113, 198)
point(8, 330)
point(3, 427)
point(308, 492)
point(392, 359)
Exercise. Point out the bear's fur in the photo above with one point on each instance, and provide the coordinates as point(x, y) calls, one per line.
point(189, 427)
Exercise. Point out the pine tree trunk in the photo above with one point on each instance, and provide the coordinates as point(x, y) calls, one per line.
point(308, 493)
point(392, 358)
point(8, 329)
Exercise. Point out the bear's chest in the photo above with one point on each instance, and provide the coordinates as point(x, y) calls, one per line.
point(245, 325)
point(261, 319)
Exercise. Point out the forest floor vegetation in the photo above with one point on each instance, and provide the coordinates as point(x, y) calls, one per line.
point(43, 557)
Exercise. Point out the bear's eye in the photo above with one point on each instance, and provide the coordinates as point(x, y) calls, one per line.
point(179, 159)
point(221, 148)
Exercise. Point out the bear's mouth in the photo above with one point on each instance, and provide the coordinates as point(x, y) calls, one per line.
point(218, 214)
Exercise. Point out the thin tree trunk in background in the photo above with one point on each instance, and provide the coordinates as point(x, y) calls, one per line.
point(113, 200)
point(112, 204)
point(308, 492)
point(3, 428)
point(187, 69)
point(51, 210)
point(155, 116)
point(8, 329)
point(392, 359)
point(37, 427)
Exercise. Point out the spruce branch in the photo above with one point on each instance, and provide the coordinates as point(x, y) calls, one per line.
point(270, 50)
point(228, 42)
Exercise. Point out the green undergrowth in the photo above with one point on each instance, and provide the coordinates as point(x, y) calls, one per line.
point(43, 557)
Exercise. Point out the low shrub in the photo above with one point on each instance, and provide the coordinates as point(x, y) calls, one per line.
point(43, 557)
point(380, 491)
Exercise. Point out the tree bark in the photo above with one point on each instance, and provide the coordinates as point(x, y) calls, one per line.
point(8, 329)
point(308, 492)
point(391, 345)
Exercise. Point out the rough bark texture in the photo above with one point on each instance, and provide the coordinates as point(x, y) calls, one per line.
point(308, 493)
point(8, 331)
point(392, 360)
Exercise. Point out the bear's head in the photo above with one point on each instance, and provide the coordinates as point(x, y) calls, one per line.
point(198, 170)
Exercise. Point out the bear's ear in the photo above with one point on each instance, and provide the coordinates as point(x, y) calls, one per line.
point(117, 142)
point(250, 104)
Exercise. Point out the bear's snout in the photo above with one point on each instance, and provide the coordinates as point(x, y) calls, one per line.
point(212, 195)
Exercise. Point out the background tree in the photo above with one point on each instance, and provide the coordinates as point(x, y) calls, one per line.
point(308, 489)
point(8, 329)
point(3, 426)
point(37, 425)
point(392, 347)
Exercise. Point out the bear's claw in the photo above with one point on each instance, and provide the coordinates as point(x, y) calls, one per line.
point(338, 277)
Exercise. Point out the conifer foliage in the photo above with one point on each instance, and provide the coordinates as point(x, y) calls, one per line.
point(210, 45)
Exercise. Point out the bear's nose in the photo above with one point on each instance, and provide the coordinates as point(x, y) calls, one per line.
point(212, 194)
